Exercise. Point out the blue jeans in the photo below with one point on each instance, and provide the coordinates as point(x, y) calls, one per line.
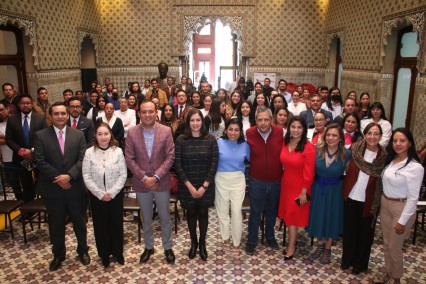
point(264, 196)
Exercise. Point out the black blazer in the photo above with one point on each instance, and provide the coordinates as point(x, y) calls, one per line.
point(85, 125)
point(15, 133)
point(51, 162)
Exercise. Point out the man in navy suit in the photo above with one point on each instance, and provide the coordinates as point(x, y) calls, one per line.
point(20, 131)
point(315, 107)
point(59, 152)
point(81, 122)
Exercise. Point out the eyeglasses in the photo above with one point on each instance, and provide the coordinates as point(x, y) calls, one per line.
point(76, 107)
point(109, 108)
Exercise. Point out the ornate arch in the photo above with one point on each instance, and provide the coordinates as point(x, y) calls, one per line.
point(83, 33)
point(192, 23)
point(28, 25)
point(340, 34)
point(417, 20)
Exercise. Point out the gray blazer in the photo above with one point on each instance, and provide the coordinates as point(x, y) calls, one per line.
point(51, 162)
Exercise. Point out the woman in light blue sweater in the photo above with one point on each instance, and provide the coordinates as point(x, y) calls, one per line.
point(231, 183)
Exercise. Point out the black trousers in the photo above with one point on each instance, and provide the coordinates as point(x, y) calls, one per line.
point(26, 179)
point(58, 210)
point(108, 225)
point(358, 235)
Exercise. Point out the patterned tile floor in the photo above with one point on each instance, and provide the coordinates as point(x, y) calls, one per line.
point(20, 263)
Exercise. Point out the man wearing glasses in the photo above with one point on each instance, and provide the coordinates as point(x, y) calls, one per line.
point(315, 107)
point(80, 122)
point(20, 131)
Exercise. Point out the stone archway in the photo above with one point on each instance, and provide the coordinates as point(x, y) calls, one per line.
point(192, 23)
point(82, 34)
point(28, 26)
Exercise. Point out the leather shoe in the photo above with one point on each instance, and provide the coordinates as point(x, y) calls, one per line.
point(203, 251)
point(56, 263)
point(120, 259)
point(193, 250)
point(170, 256)
point(105, 261)
point(357, 270)
point(146, 255)
point(84, 258)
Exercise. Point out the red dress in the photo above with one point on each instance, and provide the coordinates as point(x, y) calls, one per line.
point(299, 171)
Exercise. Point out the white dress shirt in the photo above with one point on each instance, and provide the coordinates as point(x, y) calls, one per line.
point(358, 191)
point(128, 118)
point(403, 181)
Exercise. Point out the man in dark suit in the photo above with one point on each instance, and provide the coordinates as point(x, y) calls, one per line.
point(188, 89)
point(59, 152)
point(81, 122)
point(149, 156)
point(20, 134)
point(182, 103)
point(315, 107)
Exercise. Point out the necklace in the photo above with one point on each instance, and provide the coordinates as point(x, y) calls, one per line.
point(330, 156)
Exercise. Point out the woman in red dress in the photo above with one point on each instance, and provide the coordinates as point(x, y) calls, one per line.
point(298, 160)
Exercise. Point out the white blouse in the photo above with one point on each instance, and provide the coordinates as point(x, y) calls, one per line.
point(104, 165)
point(401, 181)
point(358, 191)
point(296, 108)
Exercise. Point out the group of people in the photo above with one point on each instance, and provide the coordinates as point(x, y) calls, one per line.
point(316, 161)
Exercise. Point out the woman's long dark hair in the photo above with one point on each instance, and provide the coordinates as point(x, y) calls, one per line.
point(411, 153)
point(236, 106)
point(272, 107)
point(379, 106)
point(301, 145)
point(188, 132)
point(240, 125)
point(251, 115)
point(328, 101)
point(215, 115)
point(266, 104)
point(112, 142)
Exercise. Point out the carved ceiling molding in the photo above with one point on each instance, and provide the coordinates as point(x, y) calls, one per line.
point(82, 34)
point(417, 20)
point(192, 23)
point(340, 34)
point(214, 3)
point(25, 23)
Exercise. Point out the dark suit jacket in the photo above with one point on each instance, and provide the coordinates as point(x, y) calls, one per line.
point(188, 89)
point(176, 109)
point(15, 133)
point(162, 156)
point(85, 125)
point(51, 162)
point(309, 118)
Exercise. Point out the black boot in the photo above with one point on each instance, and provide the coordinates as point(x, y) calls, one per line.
point(192, 250)
point(203, 251)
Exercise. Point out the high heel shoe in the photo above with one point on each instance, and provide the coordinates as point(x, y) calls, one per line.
point(203, 251)
point(318, 252)
point(290, 257)
point(193, 250)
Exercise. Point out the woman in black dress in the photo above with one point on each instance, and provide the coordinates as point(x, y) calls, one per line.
point(196, 158)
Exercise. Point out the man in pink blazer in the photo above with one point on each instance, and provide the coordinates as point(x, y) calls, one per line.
point(149, 156)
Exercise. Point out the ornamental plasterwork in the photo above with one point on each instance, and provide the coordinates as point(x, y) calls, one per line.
point(29, 29)
point(330, 36)
point(82, 33)
point(417, 20)
point(215, 3)
point(192, 23)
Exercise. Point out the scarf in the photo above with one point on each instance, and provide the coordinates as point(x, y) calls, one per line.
point(373, 169)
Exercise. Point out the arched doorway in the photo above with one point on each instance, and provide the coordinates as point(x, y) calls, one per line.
point(87, 63)
point(213, 46)
point(12, 58)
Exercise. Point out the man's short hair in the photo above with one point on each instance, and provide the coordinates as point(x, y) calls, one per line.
point(58, 104)
point(25, 96)
point(6, 84)
point(40, 89)
point(264, 109)
point(152, 80)
point(73, 98)
point(145, 102)
point(67, 91)
point(282, 80)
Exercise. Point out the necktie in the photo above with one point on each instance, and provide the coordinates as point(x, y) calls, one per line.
point(180, 112)
point(348, 139)
point(74, 124)
point(61, 140)
point(26, 129)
